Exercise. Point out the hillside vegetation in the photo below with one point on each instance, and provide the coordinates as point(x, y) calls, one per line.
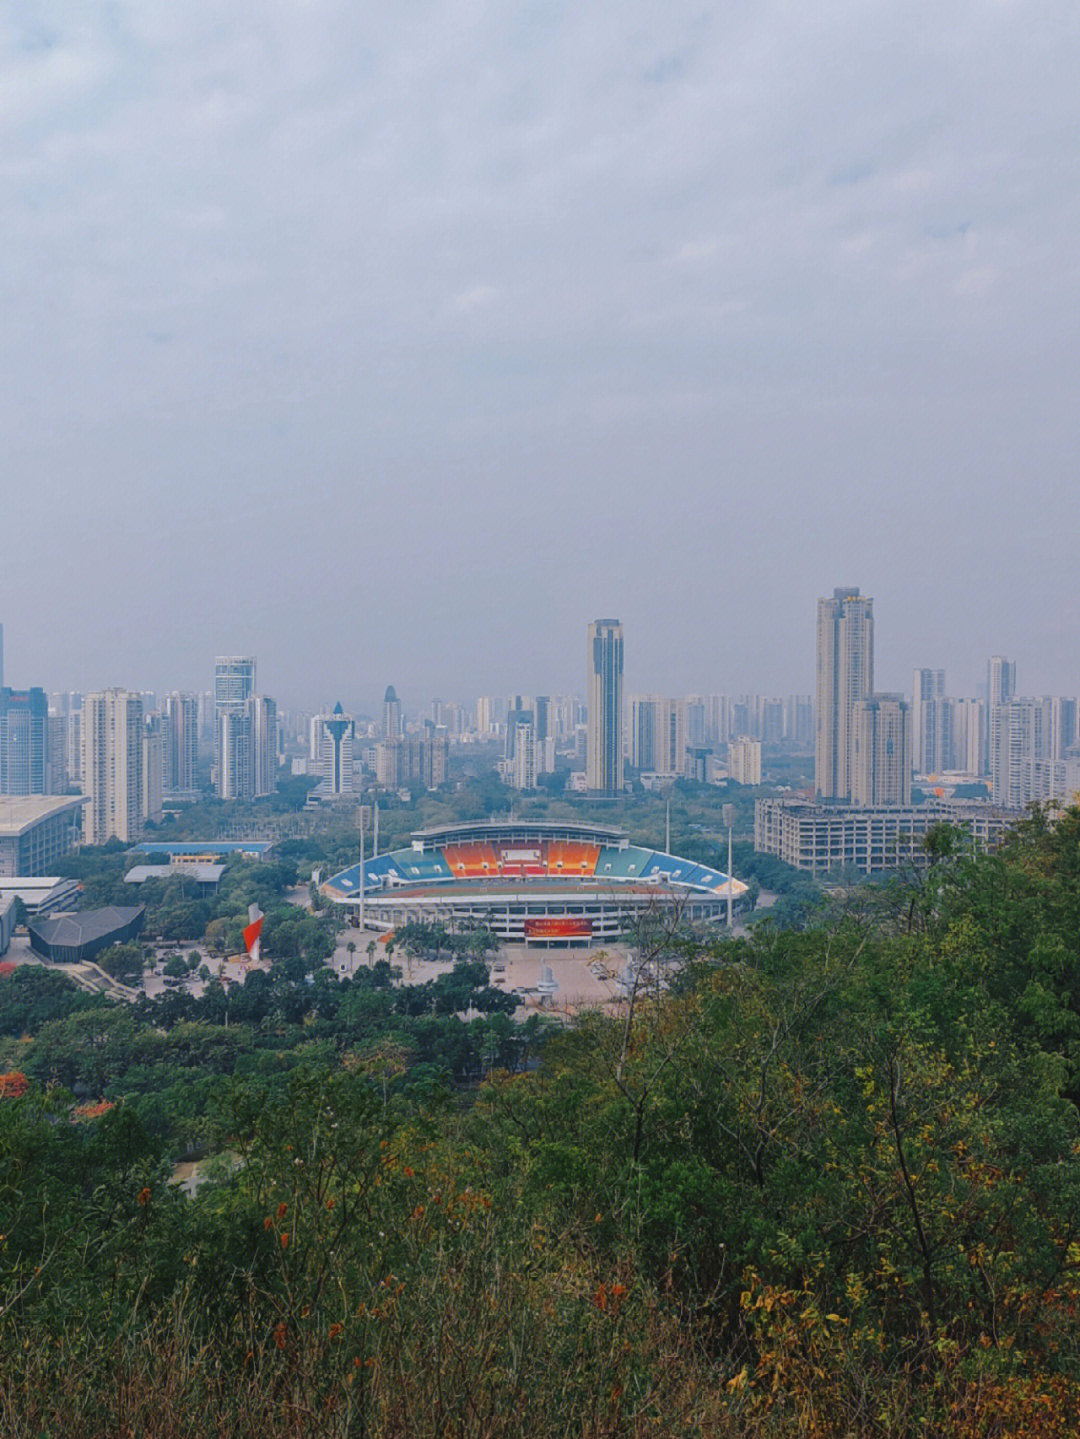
point(828, 1184)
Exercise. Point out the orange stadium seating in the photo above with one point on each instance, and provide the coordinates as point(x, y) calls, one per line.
point(571, 857)
point(471, 861)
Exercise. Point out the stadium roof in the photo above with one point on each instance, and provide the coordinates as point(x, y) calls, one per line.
point(464, 831)
point(19, 813)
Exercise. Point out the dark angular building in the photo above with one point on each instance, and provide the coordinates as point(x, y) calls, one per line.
point(74, 938)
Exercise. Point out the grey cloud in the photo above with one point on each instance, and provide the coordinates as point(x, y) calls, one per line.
point(629, 311)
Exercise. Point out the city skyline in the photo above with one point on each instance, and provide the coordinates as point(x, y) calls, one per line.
point(325, 336)
point(974, 678)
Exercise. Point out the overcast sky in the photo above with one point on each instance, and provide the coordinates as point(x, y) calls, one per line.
point(394, 343)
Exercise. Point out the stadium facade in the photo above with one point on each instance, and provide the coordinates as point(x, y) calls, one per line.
point(554, 884)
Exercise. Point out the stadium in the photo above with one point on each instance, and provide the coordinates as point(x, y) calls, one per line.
point(551, 884)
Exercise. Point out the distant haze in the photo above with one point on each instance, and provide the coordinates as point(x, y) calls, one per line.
point(395, 344)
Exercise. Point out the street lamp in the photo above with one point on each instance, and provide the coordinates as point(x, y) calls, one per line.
point(728, 813)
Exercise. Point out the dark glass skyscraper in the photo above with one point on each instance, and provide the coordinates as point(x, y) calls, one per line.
point(604, 762)
point(24, 741)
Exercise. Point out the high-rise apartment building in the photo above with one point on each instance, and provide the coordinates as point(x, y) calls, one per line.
point(523, 766)
point(24, 742)
point(181, 742)
point(234, 681)
point(799, 719)
point(153, 767)
point(658, 734)
point(248, 750)
point(58, 774)
point(1020, 740)
point(263, 719)
point(518, 712)
point(234, 755)
point(234, 684)
point(113, 744)
point(390, 759)
point(744, 760)
point(845, 675)
point(881, 751)
point(1063, 716)
point(428, 757)
point(74, 744)
point(968, 724)
point(604, 766)
point(486, 716)
point(1000, 681)
point(931, 723)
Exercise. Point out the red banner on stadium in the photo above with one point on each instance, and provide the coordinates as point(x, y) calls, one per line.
point(550, 928)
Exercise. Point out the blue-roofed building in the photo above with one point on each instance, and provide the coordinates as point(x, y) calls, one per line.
point(176, 851)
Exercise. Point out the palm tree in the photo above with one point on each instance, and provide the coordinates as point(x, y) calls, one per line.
point(351, 948)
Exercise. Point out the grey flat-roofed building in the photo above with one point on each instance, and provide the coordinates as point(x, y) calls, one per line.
point(35, 830)
point(41, 894)
point(821, 837)
point(203, 878)
point(73, 938)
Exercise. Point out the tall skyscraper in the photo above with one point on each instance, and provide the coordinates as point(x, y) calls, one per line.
point(1063, 714)
point(391, 714)
point(845, 675)
point(58, 774)
point(523, 767)
point(1000, 681)
point(113, 744)
point(153, 766)
point(234, 681)
point(24, 741)
point(74, 744)
point(181, 742)
point(234, 755)
point(604, 767)
point(335, 759)
point(234, 684)
point(262, 718)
